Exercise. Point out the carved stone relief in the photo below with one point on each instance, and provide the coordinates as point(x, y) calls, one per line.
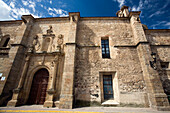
point(35, 45)
point(60, 42)
point(47, 43)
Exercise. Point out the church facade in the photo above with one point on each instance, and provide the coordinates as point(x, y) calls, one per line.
point(68, 61)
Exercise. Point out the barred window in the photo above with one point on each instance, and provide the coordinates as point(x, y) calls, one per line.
point(105, 48)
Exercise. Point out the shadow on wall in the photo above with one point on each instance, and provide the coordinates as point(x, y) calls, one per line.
point(5, 97)
point(85, 35)
point(0, 32)
point(84, 90)
point(16, 70)
point(163, 74)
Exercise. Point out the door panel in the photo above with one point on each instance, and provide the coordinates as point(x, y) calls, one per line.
point(39, 87)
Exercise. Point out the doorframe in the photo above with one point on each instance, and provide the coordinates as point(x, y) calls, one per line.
point(115, 85)
point(29, 80)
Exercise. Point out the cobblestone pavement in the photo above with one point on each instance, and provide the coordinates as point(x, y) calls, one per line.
point(39, 108)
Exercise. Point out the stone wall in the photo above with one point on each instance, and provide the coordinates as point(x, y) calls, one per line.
point(160, 41)
point(124, 61)
point(7, 67)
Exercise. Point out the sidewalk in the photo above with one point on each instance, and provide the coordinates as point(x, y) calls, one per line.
point(39, 108)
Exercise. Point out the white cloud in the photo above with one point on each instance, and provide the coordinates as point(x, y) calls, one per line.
point(41, 5)
point(57, 12)
point(18, 12)
point(140, 6)
point(50, 1)
point(4, 11)
point(121, 2)
point(167, 24)
point(21, 11)
point(30, 4)
point(38, 0)
point(14, 9)
point(12, 4)
point(25, 2)
point(50, 9)
point(63, 15)
point(163, 23)
point(134, 8)
point(157, 13)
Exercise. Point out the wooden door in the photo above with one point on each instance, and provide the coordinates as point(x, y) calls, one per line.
point(39, 87)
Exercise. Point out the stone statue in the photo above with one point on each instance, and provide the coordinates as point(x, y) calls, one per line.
point(120, 13)
point(50, 31)
point(35, 45)
point(60, 40)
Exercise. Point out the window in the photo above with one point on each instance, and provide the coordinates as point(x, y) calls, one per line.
point(164, 65)
point(105, 48)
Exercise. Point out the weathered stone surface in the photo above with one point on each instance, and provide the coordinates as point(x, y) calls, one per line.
point(70, 49)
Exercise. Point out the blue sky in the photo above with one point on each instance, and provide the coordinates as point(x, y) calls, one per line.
point(155, 13)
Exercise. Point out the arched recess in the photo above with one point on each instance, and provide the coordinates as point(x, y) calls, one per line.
point(38, 88)
point(29, 79)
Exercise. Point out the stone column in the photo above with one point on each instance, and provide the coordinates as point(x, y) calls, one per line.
point(51, 91)
point(66, 96)
point(156, 96)
point(16, 92)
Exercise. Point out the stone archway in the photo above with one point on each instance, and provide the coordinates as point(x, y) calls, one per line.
point(39, 87)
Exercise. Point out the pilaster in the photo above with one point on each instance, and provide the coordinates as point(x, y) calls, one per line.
point(16, 92)
point(52, 90)
point(156, 96)
point(66, 96)
point(17, 51)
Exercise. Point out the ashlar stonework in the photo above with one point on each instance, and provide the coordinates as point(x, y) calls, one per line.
point(88, 60)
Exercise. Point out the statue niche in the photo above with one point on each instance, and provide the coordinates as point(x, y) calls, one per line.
point(47, 42)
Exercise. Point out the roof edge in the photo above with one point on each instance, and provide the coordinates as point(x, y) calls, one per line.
point(157, 30)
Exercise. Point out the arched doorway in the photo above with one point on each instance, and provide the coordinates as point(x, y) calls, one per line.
point(39, 87)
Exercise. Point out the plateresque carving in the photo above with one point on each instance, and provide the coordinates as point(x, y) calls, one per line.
point(50, 31)
point(35, 45)
point(60, 40)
